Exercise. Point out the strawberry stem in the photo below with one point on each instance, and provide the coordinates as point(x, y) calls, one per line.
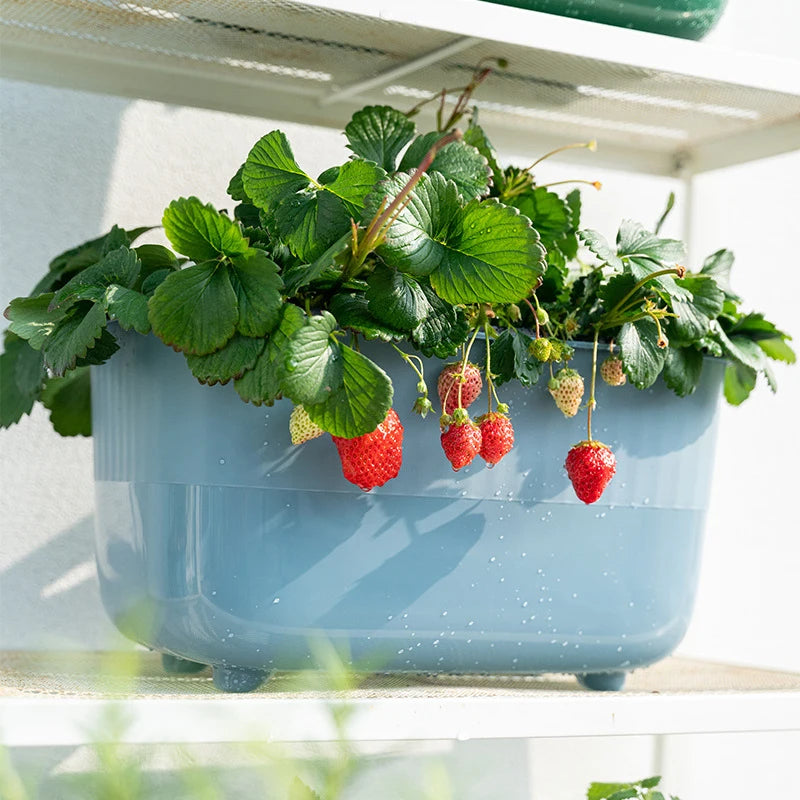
point(591, 389)
point(577, 146)
point(464, 363)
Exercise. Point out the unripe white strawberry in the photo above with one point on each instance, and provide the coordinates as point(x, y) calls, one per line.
point(301, 427)
point(566, 387)
point(611, 371)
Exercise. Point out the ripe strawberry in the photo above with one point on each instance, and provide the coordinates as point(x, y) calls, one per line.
point(611, 371)
point(497, 436)
point(451, 381)
point(301, 427)
point(590, 466)
point(461, 442)
point(374, 458)
point(566, 387)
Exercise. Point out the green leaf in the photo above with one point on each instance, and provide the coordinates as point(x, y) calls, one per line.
point(511, 359)
point(299, 276)
point(550, 215)
point(311, 222)
point(694, 316)
point(154, 280)
point(650, 783)
point(360, 402)
point(598, 245)
point(313, 365)
point(120, 266)
point(778, 349)
point(236, 187)
point(103, 348)
point(128, 307)
point(69, 400)
point(29, 371)
point(195, 309)
point(682, 369)
point(413, 243)
point(457, 161)
point(270, 174)
point(642, 358)
point(642, 268)
point(31, 318)
point(352, 183)
point(351, 311)
point(114, 240)
point(617, 288)
point(379, 133)
point(21, 379)
point(635, 240)
point(476, 136)
point(443, 331)
point(742, 349)
point(201, 232)
point(74, 336)
point(300, 791)
point(154, 258)
point(624, 794)
point(718, 265)
point(396, 298)
point(492, 255)
point(739, 381)
point(257, 286)
point(602, 791)
point(262, 383)
point(231, 361)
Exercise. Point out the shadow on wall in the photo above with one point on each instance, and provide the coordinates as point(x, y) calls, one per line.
point(57, 150)
point(50, 599)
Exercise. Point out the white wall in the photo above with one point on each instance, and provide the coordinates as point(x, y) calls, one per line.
point(72, 164)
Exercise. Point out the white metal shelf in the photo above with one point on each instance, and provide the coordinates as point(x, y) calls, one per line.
point(655, 103)
point(68, 699)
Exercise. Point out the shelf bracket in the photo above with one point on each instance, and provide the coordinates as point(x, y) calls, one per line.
point(382, 78)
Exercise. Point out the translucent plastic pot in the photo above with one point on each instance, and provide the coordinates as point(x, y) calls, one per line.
point(221, 543)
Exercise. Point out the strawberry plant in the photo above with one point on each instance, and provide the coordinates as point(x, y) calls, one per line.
point(421, 240)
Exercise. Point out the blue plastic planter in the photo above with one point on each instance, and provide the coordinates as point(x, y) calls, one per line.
point(221, 543)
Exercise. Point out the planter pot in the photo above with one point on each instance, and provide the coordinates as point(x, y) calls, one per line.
point(221, 543)
point(687, 19)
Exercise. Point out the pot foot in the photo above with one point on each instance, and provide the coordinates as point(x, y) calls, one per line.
point(602, 681)
point(239, 679)
point(180, 666)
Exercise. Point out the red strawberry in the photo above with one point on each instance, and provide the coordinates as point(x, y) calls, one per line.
point(497, 436)
point(461, 442)
point(452, 385)
point(590, 466)
point(374, 458)
point(611, 371)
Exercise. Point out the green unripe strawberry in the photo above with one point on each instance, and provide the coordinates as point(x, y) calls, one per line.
point(540, 349)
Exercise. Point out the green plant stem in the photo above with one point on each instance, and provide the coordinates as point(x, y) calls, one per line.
point(637, 286)
point(591, 389)
point(409, 360)
point(377, 228)
point(577, 146)
point(489, 383)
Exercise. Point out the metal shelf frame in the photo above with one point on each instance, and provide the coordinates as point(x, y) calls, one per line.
point(656, 104)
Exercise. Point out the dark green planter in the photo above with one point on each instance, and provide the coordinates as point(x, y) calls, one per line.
point(688, 19)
